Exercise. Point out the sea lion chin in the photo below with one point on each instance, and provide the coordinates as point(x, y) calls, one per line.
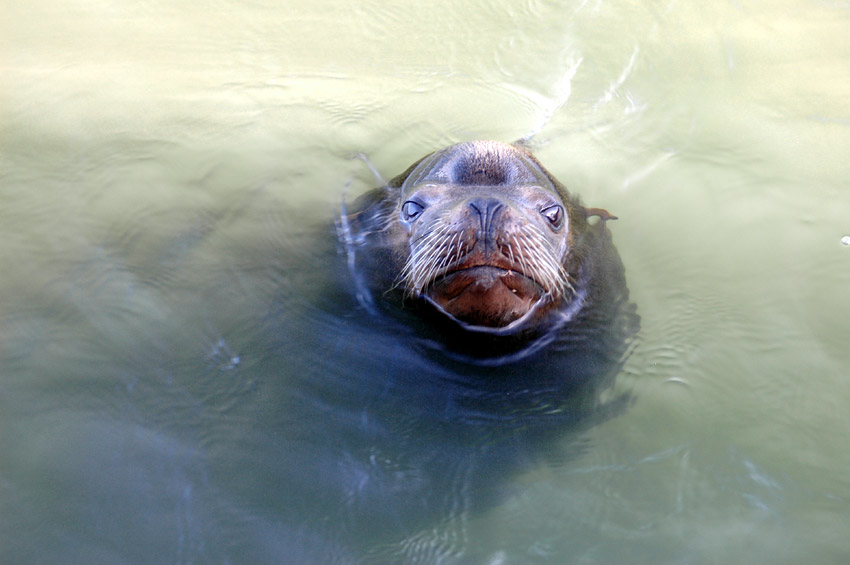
point(483, 236)
point(485, 295)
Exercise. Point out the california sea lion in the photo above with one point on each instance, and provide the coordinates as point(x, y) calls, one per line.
point(487, 243)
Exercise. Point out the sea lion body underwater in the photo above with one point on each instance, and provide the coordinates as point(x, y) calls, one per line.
point(480, 240)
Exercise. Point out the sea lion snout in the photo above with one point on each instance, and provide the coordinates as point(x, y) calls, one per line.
point(484, 281)
point(487, 209)
point(485, 256)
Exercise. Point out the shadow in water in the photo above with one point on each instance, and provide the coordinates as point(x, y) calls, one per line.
point(382, 440)
point(254, 411)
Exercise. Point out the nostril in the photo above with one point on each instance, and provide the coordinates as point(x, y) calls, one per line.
point(488, 209)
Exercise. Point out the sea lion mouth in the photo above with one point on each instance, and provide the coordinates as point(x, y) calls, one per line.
point(485, 295)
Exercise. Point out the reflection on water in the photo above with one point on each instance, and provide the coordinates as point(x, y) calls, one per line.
point(184, 378)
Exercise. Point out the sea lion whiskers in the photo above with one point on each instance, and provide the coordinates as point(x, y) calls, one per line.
point(549, 257)
point(539, 261)
point(420, 251)
point(559, 278)
point(428, 253)
point(428, 257)
point(451, 250)
point(519, 255)
point(433, 232)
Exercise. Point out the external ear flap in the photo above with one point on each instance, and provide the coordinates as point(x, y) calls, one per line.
point(603, 214)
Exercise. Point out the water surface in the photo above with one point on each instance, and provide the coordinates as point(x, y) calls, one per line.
point(183, 378)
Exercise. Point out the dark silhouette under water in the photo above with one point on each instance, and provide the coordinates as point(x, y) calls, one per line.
point(398, 423)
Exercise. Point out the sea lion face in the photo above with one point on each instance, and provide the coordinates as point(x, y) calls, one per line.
point(488, 235)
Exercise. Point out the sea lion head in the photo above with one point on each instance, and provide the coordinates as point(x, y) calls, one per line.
point(488, 235)
point(487, 248)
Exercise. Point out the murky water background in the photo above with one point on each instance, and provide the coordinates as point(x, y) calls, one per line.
point(184, 378)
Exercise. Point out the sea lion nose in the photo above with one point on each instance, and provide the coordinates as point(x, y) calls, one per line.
point(488, 210)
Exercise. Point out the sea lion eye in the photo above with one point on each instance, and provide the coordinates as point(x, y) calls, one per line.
point(555, 215)
point(410, 210)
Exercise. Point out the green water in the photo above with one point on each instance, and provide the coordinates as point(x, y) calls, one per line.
point(179, 384)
